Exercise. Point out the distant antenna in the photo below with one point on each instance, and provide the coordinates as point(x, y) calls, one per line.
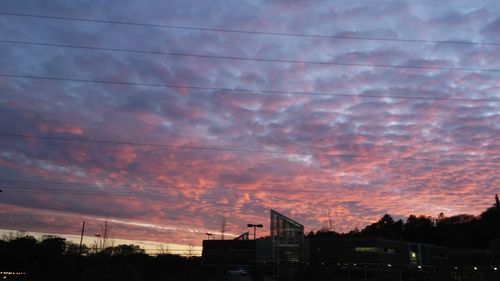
point(329, 221)
point(497, 203)
point(223, 228)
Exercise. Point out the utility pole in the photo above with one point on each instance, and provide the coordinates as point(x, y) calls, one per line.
point(81, 239)
point(78, 266)
point(223, 227)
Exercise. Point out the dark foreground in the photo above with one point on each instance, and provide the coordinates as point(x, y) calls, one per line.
point(25, 258)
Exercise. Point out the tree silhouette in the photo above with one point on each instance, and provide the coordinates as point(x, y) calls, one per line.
point(52, 245)
point(386, 227)
point(103, 240)
point(127, 250)
point(418, 229)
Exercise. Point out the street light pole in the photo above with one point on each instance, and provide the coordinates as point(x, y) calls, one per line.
point(254, 248)
point(254, 228)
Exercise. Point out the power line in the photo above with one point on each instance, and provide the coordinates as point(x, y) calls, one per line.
point(99, 191)
point(250, 32)
point(237, 58)
point(81, 183)
point(148, 250)
point(209, 200)
point(227, 149)
point(162, 197)
point(422, 3)
point(276, 194)
point(119, 194)
point(283, 197)
point(98, 187)
point(242, 90)
point(149, 187)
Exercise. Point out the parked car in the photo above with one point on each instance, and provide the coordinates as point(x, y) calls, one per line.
point(237, 271)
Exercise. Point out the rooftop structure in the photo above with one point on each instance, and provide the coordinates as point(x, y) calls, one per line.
point(288, 255)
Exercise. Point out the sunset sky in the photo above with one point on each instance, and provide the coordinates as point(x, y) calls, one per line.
point(162, 117)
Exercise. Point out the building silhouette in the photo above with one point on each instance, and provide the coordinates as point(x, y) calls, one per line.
point(287, 254)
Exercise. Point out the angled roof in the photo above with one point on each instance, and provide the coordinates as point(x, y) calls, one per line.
point(285, 218)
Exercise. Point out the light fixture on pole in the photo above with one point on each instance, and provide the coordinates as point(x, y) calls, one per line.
point(208, 235)
point(254, 228)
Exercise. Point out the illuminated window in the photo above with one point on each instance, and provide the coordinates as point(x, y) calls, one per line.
point(375, 250)
point(413, 257)
point(366, 249)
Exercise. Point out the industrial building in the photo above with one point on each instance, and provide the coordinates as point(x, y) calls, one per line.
point(288, 255)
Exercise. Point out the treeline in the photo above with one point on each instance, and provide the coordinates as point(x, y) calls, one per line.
point(54, 258)
point(460, 231)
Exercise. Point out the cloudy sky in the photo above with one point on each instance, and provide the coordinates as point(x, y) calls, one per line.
point(164, 116)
